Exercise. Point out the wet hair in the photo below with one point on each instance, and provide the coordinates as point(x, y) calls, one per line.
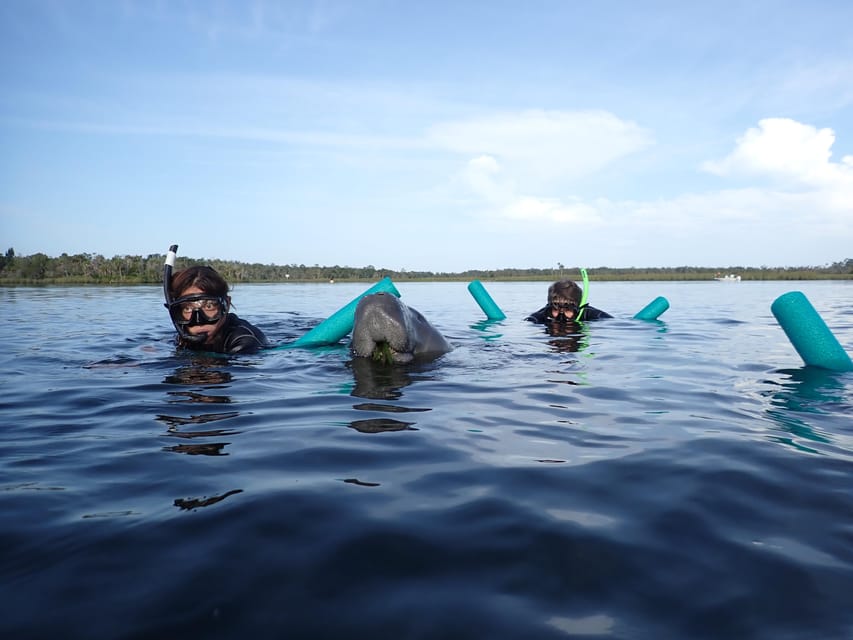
point(205, 278)
point(567, 290)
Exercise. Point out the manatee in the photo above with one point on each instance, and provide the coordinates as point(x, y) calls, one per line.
point(386, 329)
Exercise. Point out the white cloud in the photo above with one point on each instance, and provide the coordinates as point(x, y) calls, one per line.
point(518, 157)
point(788, 150)
point(807, 223)
point(483, 176)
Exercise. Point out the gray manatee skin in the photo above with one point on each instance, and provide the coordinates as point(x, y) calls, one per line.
point(383, 318)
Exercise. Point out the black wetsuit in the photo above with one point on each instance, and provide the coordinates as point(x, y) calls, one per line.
point(236, 336)
point(543, 316)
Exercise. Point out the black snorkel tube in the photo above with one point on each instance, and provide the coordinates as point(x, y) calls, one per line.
point(167, 293)
point(167, 273)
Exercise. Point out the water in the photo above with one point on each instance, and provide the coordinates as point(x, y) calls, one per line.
point(686, 478)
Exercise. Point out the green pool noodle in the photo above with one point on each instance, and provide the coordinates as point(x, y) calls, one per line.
point(339, 324)
point(652, 310)
point(808, 333)
point(489, 307)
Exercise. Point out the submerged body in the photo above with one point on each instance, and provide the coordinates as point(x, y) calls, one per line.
point(385, 328)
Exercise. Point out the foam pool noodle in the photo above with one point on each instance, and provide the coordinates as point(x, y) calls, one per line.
point(340, 323)
point(489, 307)
point(809, 334)
point(652, 310)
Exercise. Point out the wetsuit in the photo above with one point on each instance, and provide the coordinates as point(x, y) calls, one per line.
point(235, 336)
point(543, 315)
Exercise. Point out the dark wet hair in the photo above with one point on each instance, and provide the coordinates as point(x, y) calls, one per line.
point(565, 289)
point(205, 278)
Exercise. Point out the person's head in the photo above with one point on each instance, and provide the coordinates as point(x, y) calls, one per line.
point(564, 298)
point(200, 303)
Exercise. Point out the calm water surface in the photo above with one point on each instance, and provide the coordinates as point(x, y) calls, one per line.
point(686, 478)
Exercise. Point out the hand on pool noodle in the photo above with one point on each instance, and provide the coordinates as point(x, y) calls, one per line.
point(492, 310)
point(809, 334)
point(339, 324)
point(652, 310)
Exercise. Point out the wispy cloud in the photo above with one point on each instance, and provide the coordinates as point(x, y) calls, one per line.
point(544, 145)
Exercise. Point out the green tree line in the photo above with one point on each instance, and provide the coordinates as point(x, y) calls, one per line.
point(89, 268)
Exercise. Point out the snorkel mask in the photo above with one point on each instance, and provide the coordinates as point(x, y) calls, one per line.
point(577, 309)
point(561, 308)
point(192, 310)
point(197, 309)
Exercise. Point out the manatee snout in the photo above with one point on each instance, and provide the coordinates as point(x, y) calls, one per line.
point(399, 333)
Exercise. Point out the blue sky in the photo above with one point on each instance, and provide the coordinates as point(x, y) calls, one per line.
point(437, 136)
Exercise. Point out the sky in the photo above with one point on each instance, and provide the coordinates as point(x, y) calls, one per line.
point(430, 136)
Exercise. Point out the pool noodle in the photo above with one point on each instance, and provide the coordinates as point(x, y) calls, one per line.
point(489, 307)
point(339, 324)
point(652, 310)
point(809, 334)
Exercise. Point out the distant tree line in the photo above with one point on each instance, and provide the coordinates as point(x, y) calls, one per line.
point(88, 268)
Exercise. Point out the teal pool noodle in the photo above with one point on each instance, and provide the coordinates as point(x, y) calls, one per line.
point(809, 334)
point(492, 310)
point(652, 310)
point(339, 324)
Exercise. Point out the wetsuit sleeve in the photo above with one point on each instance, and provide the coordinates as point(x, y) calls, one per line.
point(243, 337)
point(591, 313)
point(539, 317)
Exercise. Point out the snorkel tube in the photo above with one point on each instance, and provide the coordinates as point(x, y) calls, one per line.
point(167, 293)
point(584, 295)
point(167, 273)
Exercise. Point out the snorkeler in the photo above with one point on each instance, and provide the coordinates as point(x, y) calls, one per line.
point(564, 306)
point(198, 303)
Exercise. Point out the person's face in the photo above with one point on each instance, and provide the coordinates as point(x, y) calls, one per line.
point(562, 310)
point(208, 308)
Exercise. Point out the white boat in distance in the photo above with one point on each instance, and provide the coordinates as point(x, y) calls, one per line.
point(728, 278)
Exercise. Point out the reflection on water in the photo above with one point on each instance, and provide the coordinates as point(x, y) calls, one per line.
point(379, 425)
point(200, 449)
point(196, 503)
point(390, 408)
point(194, 396)
point(383, 381)
point(209, 372)
point(489, 329)
point(378, 380)
point(805, 395)
point(361, 483)
point(569, 337)
point(173, 422)
point(202, 370)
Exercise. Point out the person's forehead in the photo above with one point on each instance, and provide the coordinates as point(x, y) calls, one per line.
point(193, 290)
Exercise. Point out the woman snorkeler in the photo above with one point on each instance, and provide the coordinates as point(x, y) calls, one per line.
point(199, 305)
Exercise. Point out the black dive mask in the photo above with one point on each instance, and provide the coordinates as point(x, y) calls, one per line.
point(561, 308)
point(196, 310)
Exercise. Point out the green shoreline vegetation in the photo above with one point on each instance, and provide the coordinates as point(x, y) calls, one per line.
point(87, 268)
